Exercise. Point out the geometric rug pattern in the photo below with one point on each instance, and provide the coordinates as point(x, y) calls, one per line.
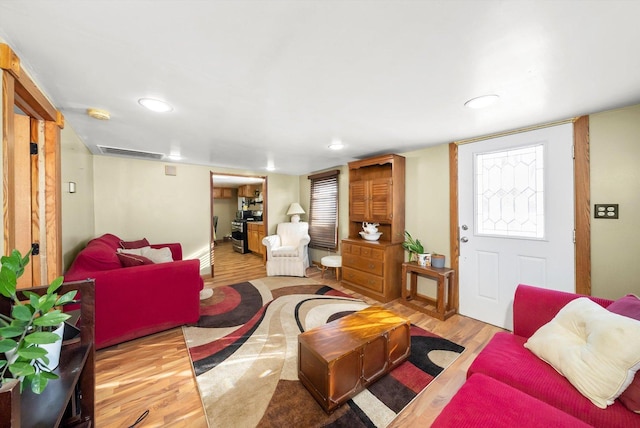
point(244, 354)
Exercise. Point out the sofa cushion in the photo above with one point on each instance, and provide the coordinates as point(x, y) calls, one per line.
point(157, 255)
point(134, 244)
point(485, 402)
point(629, 306)
point(108, 239)
point(134, 251)
point(97, 256)
point(596, 350)
point(129, 260)
point(285, 251)
point(506, 359)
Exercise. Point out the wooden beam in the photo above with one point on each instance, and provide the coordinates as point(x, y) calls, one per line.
point(9, 60)
point(27, 95)
point(53, 201)
point(8, 166)
point(37, 135)
point(21, 210)
point(454, 232)
point(582, 183)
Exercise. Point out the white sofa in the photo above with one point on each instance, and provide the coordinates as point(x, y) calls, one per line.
point(287, 250)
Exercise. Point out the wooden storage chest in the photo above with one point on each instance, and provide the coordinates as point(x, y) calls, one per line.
point(341, 358)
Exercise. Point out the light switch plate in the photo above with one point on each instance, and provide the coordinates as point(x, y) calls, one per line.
point(605, 211)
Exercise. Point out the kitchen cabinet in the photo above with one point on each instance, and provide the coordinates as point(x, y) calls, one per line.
point(255, 233)
point(376, 195)
point(247, 191)
point(222, 193)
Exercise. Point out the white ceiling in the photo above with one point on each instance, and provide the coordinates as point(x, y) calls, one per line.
point(255, 83)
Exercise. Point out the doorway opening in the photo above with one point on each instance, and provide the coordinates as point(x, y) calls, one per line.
point(233, 197)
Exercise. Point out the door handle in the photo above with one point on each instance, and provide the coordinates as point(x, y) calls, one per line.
point(464, 239)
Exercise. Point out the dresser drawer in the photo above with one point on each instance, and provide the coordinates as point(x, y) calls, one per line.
point(350, 249)
point(362, 279)
point(375, 267)
point(372, 253)
point(364, 251)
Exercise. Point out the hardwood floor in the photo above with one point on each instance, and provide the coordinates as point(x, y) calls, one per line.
point(155, 373)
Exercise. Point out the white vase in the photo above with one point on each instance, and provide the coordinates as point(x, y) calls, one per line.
point(53, 351)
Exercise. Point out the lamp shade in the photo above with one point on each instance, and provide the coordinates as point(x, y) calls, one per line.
point(294, 211)
point(295, 208)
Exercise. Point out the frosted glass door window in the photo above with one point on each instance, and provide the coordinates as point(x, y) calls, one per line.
point(509, 197)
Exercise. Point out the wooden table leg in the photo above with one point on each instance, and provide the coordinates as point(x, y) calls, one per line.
point(414, 284)
point(404, 282)
point(440, 299)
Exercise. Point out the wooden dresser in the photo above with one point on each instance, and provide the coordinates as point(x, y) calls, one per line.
point(376, 195)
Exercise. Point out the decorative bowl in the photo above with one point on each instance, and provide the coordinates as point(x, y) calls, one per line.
point(371, 236)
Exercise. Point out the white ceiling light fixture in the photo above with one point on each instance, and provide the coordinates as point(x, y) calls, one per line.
point(336, 144)
point(155, 105)
point(482, 102)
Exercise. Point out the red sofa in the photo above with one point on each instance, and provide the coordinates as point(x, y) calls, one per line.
point(507, 385)
point(132, 302)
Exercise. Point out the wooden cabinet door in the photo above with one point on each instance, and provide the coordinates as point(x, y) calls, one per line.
point(380, 200)
point(357, 201)
point(222, 193)
point(371, 200)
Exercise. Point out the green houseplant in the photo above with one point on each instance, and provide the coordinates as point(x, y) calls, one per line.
point(414, 246)
point(28, 326)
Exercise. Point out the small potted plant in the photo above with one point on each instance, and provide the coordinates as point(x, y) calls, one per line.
point(413, 246)
point(29, 327)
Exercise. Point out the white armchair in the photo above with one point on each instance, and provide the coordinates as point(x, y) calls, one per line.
point(287, 252)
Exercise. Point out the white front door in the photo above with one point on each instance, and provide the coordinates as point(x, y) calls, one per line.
point(516, 219)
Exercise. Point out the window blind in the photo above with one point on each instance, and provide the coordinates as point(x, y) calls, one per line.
point(323, 211)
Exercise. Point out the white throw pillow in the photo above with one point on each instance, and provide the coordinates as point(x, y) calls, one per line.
point(596, 350)
point(157, 255)
point(134, 251)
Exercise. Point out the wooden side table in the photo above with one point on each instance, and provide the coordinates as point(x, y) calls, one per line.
point(445, 304)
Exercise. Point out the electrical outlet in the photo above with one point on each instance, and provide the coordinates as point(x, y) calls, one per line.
point(605, 211)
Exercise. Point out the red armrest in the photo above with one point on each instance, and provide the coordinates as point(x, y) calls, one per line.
point(533, 307)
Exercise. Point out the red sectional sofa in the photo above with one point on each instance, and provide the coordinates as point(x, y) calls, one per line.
point(507, 385)
point(135, 301)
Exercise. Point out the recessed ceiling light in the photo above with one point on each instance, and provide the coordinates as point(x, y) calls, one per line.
point(481, 102)
point(153, 104)
point(271, 168)
point(336, 144)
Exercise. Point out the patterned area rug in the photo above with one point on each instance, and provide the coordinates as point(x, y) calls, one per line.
point(244, 353)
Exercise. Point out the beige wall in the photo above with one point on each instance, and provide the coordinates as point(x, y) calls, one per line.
point(615, 178)
point(282, 190)
point(135, 199)
point(427, 204)
point(77, 208)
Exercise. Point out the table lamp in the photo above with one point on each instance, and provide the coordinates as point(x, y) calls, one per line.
point(294, 211)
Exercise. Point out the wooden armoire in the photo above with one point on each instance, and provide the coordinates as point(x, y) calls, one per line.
point(376, 195)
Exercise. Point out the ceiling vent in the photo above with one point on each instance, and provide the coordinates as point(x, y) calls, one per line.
point(133, 153)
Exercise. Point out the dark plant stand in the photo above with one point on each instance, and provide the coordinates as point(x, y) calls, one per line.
point(70, 400)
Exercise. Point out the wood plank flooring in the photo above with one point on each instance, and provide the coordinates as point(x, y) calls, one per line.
point(155, 372)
